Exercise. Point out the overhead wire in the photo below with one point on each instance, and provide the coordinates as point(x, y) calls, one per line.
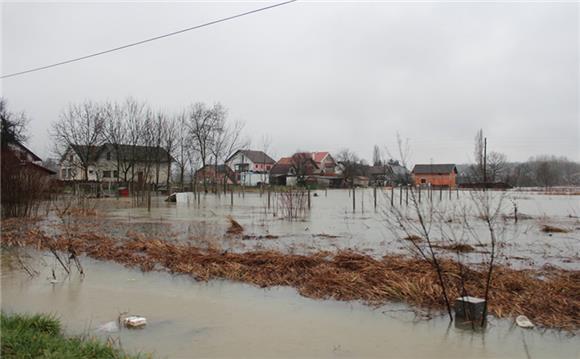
point(19, 73)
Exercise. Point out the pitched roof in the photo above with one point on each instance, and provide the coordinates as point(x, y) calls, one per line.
point(125, 152)
point(435, 168)
point(83, 151)
point(138, 153)
point(254, 156)
point(319, 156)
point(26, 150)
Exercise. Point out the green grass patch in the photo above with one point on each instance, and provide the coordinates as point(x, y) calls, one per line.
point(41, 336)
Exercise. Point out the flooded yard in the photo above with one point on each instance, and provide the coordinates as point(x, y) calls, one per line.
point(225, 319)
point(332, 225)
point(323, 254)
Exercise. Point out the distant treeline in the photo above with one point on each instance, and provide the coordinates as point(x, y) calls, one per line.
point(538, 171)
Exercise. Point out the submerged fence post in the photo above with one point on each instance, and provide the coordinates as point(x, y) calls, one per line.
point(375, 195)
point(353, 199)
point(419, 194)
point(308, 197)
point(231, 196)
point(392, 196)
point(269, 191)
point(441, 193)
point(407, 195)
point(400, 195)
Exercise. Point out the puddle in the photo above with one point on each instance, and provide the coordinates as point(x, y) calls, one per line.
point(224, 319)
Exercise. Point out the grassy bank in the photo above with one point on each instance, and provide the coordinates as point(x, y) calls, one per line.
point(40, 336)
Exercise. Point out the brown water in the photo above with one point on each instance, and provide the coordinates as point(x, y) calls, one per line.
point(224, 319)
point(365, 231)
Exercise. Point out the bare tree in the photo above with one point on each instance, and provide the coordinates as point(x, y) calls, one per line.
point(377, 157)
point(169, 140)
point(496, 166)
point(203, 123)
point(80, 128)
point(115, 131)
point(13, 125)
point(182, 145)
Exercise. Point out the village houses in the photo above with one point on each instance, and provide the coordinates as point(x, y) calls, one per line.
point(251, 167)
point(115, 163)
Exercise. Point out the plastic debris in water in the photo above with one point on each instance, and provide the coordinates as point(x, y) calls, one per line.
point(134, 321)
point(524, 322)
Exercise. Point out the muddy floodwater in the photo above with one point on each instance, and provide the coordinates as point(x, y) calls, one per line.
point(332, 225)
point(224, 319)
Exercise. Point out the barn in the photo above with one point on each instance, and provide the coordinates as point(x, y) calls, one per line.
point(436, 175)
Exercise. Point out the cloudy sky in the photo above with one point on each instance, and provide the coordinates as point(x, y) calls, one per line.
point(317, 75)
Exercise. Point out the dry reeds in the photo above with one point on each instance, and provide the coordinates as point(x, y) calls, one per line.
point(456, 247)
point(549, 297)
point(235, 227)
point(413, 238)
point(553, 229)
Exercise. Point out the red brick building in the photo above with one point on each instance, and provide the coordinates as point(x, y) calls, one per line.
point(436, 175)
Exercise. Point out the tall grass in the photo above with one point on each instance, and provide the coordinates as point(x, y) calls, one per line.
point(40, 336)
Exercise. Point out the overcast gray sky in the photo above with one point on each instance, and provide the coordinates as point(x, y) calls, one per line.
point(317, 75)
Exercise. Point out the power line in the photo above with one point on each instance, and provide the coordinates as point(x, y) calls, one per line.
point(146, 40)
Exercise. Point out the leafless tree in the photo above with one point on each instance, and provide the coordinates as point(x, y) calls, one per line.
point(496, 166)
point(227, 138)
point(377, 157)
point(13, 125)
point(203, 122)
point(182, 145)
point(80, 127)
point(115, 131)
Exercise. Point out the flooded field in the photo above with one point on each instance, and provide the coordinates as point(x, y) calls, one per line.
point(224, 319)
point(332, 225)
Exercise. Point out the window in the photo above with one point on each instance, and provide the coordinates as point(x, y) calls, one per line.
point(423, 180)
point(116, 174)
point(108, 156)
point(71, 158)
point(107, 174)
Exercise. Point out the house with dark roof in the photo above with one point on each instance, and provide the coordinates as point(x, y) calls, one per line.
point(250, 167)
point(213, 174)
point(115, 163)
point(436, 175)
point(289, 171)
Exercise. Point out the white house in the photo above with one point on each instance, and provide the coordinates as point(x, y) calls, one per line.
point(115, 163)
point(251, 167)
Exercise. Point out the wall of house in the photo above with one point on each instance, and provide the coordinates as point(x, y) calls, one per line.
point(445, 180)
point(327, 165)
point(104, 170)
point(239, 159)
point(253, 179)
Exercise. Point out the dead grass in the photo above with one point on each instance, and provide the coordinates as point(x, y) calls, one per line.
point(553, 229)
point(235, 227)
point(549, 297)
point(413, 238)
point(458, 247)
